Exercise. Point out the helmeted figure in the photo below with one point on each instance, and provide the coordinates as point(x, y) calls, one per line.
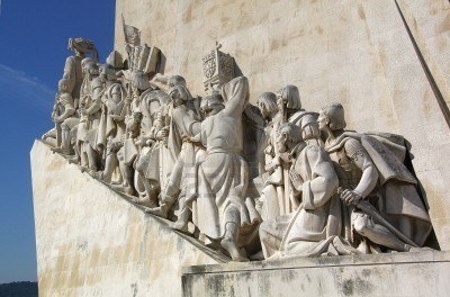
point(371, 169)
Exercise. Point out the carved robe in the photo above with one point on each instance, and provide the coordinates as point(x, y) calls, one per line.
point(315, 227)
point(74, 74)
point(223, 176)
point(275, 194)
point(150, 161)
point(183, 125)
point(395, 196)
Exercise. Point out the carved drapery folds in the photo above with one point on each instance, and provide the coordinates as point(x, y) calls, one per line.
point(256, 182)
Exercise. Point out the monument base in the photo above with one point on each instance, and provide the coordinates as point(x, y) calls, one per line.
point(399, 274)
point(92, 241)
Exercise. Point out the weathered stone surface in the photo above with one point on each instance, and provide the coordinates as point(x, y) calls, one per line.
point(92, 242)
point(400, 274)
point(429, 22)
point(356, 52)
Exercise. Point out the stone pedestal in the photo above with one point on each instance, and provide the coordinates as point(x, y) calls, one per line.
point(400, 274)
point(93, 242)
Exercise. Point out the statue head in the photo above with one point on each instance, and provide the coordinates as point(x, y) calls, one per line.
point(139, 80)
point(81, 47)
point(176, 80)
point(211, 105)
point(89, 66)
point(179, 95)
point(332, 116)
point(267, 103)
point(289, 97)
point(115, 60)
point(107, 72)
point(63, 85)
point(289, 135)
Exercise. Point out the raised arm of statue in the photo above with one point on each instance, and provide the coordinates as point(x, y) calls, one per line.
point(236, 94)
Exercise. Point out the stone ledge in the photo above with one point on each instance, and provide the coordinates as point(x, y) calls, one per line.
point(401, 274)
point(324, 261)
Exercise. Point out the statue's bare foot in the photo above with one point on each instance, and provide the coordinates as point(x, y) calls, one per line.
point(125, 189)
point(98, 175)
point(230, 246)
point(181, 226)
point(144, 201)
point(160, 211)
point(74, 160)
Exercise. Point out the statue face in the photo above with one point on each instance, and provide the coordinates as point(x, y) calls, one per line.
point(322, 120)
point(86, 68)
point(63, 86)
point(176, 98)
point(264, 111)
point(281, 100)
point(204, 112)
point(282, 140)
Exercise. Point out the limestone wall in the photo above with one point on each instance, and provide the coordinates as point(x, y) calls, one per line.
point(357, 52)
point(92, 242)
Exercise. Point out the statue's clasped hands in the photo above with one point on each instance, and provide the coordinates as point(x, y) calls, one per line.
point(162, 133)
point(349, 197)
point(296, 180)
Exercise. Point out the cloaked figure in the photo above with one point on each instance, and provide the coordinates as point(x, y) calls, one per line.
point(383, 209)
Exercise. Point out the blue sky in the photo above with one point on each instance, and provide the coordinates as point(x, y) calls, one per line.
point(33, 48)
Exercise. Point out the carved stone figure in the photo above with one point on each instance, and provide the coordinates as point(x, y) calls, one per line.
point(207, 160)
point(384, 209)
point(222, 210)
point(67, 120)
point(92, 114)
point(72, 69)
point(315, 227)
point(267, 103)
point(90, 72)
point(185, 124)
point(125, 145)
point(276, 193)
point(151, 146)
point(112, 126)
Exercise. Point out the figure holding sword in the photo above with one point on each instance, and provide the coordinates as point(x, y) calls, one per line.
point(382, 208)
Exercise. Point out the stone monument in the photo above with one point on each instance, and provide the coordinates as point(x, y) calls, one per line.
point(172, 155)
